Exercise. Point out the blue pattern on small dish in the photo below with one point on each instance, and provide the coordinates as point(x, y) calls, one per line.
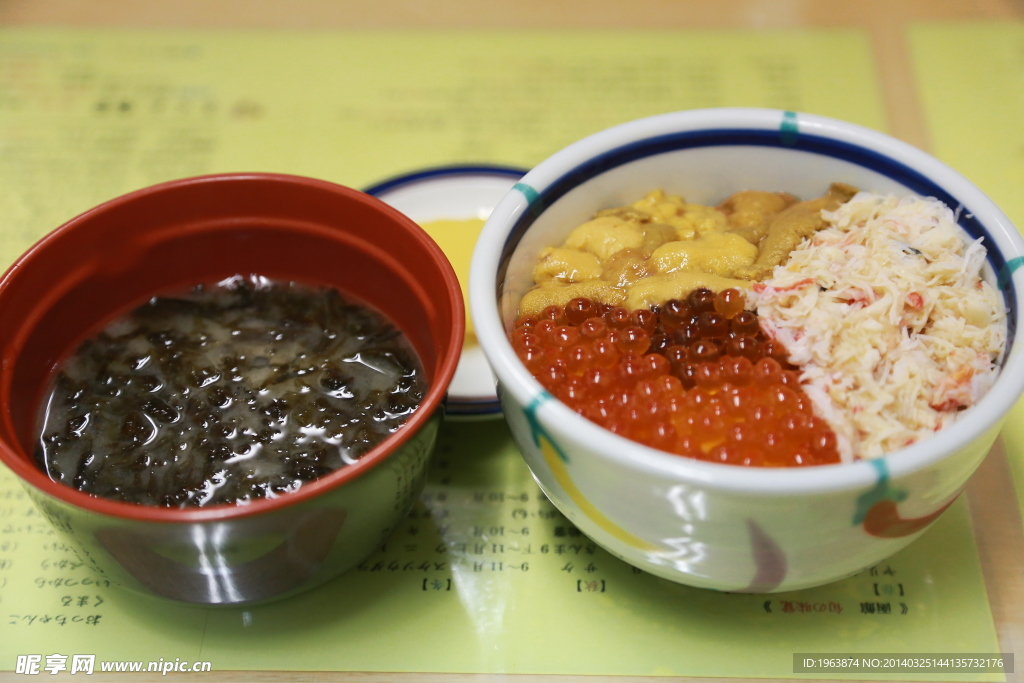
point(458, 405)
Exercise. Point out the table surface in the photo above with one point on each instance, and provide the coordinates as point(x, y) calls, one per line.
point(997, 525)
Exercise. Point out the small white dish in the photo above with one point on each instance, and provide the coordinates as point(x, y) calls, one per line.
point(456, 193)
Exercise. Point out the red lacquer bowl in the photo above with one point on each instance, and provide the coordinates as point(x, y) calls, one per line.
point(117, 255)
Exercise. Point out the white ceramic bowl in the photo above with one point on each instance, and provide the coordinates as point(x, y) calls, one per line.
point(699, 523)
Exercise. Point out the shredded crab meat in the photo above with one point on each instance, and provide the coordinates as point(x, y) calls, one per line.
point(886, 312)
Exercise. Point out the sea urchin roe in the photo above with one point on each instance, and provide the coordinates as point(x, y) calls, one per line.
point(662, 247)
point(697, 378)
point(242, 390)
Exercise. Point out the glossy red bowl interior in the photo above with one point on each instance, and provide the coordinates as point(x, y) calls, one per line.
point(114, 257)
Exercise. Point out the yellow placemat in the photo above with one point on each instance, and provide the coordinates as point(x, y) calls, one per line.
point(88, 115)
point(971, 83)
point(485, 575)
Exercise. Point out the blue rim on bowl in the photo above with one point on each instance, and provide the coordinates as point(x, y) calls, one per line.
point(456, 192)
point(892, 163)
point(789, 139)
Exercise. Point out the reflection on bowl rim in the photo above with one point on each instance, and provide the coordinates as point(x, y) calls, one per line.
point(635, 140)
point(432, 401)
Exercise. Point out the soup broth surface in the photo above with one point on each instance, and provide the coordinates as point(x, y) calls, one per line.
point(236, 391)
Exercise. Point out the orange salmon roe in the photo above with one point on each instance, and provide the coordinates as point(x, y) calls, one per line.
point(697, 378)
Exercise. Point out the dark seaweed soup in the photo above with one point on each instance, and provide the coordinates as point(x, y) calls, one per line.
point(239, 390)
